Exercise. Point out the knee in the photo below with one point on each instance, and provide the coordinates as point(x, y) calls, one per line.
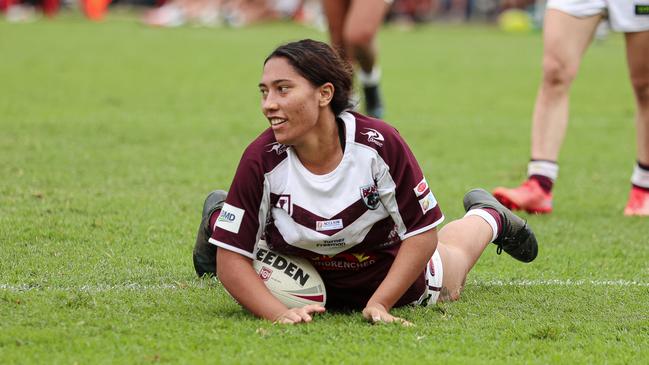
point(640, 85)
point(359, 37)
point(558, 74)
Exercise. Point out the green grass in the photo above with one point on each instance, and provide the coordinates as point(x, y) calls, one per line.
point(111, 135)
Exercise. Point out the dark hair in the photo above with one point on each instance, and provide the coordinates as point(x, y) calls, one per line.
point(319, 63)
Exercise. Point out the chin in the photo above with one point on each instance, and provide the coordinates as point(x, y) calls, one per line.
point(280, 138)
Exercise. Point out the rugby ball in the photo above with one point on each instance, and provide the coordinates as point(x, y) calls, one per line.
point(292, 280)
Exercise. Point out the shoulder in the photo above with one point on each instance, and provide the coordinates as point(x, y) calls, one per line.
point(378, 135)
point(264, 152)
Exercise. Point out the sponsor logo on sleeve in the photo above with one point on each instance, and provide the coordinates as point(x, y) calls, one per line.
point(374, 136)
point(328, 225)
point(428, 202)
point(642, 9)
point(421, 187)
point(230, 218)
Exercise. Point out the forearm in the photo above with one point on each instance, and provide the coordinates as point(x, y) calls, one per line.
point(411, 260)
point(243, 283)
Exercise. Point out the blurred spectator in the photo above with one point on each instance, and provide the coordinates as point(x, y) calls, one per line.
point(24, 11)
point(416, 11)
point(234, 13)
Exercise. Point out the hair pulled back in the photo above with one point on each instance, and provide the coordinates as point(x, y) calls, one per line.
point(319, 63)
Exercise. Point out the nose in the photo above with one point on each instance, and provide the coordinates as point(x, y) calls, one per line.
point(269, 103)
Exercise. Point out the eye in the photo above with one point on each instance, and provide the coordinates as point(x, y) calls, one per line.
point(263, 92)
point(283, 89)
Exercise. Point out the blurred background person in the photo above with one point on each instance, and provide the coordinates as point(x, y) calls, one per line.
point(353, 26)
point(23, 11)
point(235, 13)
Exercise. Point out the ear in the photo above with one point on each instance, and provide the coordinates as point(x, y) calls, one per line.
point(326, 93)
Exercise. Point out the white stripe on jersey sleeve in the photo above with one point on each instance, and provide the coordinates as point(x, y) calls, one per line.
point(423, 229)
point(232, 248)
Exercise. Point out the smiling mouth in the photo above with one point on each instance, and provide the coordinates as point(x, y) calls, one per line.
point(276, 121)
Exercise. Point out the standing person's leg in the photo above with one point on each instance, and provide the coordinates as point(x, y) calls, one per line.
point(336, 13)
point(364, 19)
point(637, 50)
point(461, 242)
point(565, 39)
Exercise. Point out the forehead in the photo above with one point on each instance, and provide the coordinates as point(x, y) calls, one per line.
point(279, 68)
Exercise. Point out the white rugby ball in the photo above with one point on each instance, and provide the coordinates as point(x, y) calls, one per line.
point(292, 280)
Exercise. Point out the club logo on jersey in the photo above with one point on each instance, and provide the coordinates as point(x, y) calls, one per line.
point(642, 9)
point(265, 273)
point(230, 218)
point(276, 147)
point(428, 202)
point(329, 225)
point(284, 203)
point(370, 196)
point(421, 187)
point(374, 136)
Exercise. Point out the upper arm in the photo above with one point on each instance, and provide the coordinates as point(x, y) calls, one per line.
point(404, 190)
point(239, 224)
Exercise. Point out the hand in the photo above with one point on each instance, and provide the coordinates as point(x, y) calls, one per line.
point(298, 315)
point(376, 313)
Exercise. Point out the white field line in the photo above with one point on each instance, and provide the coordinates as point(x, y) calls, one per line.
point(203, 285)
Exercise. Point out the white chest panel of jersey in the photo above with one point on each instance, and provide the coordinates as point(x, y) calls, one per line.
point(330, 213)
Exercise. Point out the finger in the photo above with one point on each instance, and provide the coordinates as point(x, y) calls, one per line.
point(372, 314)
point(304, 315)
point(283, 320)
point(314, 308)
point(288, 317)
point(404, 322)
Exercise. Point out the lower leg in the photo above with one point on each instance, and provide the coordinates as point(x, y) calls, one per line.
point(461, 243)
point(637, 55)
point(637, 45)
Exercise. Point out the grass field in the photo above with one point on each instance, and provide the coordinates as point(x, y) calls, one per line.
point(111, 135)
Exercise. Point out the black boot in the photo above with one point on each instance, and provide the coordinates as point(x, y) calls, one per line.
point(205, 252)
point(517, 238)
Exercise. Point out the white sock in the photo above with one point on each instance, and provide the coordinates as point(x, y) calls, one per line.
point(640, 177)
point(488, 218)
point(545, 168)
point(370, 79)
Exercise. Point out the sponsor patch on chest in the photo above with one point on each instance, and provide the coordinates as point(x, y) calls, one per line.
point(329, 225)
point(642, 9)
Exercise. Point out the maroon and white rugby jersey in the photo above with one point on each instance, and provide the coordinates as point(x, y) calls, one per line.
point(349, 223)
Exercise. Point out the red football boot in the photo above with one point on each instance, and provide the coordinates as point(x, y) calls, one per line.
point(529, 197)
point(638, 203)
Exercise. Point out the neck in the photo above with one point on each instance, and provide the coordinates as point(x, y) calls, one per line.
point(321, 151)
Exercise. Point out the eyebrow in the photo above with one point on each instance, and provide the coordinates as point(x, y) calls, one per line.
point(274, 82)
